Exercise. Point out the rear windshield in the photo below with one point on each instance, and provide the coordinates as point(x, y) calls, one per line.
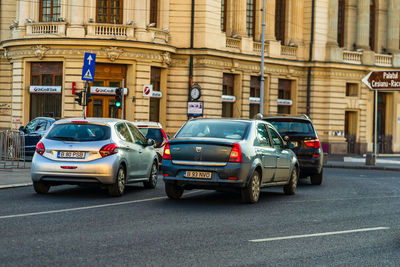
point(153, 133)
point(215, 129)
point(79, 132)
point(293, 127)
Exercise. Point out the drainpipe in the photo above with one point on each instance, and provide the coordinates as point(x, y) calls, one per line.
point(191, 47)
point(310, 59)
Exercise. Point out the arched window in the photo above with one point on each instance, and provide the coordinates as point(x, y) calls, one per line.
point(340, 30)
point(109, 11)
point(250, 17)
point(280, 8)
point(50, 10)
point(372, 13)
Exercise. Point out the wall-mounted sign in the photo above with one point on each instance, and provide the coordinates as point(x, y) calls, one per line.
point(255, 100)
point(228, 98)
point(98, 90)
point(285, 102)
point(41, 89)
point(147, 90)
point(156, 94)
point(195, 109)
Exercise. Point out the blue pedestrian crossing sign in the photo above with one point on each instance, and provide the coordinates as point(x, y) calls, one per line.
point(88, 69)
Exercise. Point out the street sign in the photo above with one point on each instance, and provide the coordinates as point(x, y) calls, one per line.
point(89, 62)
point(382, 80)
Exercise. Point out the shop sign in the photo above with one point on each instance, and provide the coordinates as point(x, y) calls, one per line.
point(195, 109)
point(156, 94)
point(382, 80)
point(147, 90)
point(99, 90)
point(228, 98)
point(254, 100)
point(5, 109)
point(41, 89)
point(285, 102)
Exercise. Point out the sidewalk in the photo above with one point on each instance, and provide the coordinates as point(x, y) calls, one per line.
point(22, 177)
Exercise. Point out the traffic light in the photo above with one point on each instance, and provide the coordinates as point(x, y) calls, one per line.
point(79, 98)
point(118, 97)
point(88, 100)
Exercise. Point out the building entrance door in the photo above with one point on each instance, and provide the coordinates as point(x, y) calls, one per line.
point(384, 139)
point(350, 131)
point(103, 107)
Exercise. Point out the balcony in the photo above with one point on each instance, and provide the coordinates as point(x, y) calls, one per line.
point(353, 57)
point(233, 43)
point(383, 60)
point(46, 29)
point(110, 31)
point(158, 35)
point(289, 51)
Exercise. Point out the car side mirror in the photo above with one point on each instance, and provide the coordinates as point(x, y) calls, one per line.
point(288, 144)
point(22, 128)
point(150, 142)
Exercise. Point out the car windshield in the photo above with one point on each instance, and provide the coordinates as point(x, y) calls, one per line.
point(215, 129)
point(152, 133)
point(292, 127)
point(79, 132)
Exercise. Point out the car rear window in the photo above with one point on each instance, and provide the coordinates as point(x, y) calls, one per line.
point(215, 129)
point(153, 133)
point(292, 127)
point(79, 132)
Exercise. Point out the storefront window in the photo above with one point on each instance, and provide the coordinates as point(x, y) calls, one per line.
point(228, 90)
point(284, 93)
point(254, 92)
point(155, 102)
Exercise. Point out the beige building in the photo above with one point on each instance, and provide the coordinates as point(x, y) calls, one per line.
point(316, 54)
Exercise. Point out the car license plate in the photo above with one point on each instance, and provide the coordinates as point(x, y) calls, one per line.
point(71, 154)
point(197, 174)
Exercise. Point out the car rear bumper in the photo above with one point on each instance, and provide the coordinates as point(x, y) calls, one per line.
point(97, 171)
point(310, 166)
point(232, 175)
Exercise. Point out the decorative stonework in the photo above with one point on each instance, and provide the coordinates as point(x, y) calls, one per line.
point(113, 52)
point(6, 54)
point(39, 51)
point(166, 58)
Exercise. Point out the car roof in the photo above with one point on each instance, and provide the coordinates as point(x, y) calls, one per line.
point(294, 117)
point(148, 124)
point(45, 118)
point(94, 120)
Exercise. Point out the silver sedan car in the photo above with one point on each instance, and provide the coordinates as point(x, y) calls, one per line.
point(108, 152)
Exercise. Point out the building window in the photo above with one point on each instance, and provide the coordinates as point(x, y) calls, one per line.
point(50, 10)
point(284, 96)
point(340, 30)
point(254, 93)
point(280, 15)
point(250, 16)
point(351, 89)
point(155, 102)
point(228, 90)
point(372, 25)
point(223, 15)
point(154, 12)
point(46, 104)
point(109, 11)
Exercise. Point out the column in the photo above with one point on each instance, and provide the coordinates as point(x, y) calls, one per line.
point(363, 10)
point(141, 18)
point(333, 23)
point(239, 18)
point(270, 20)
point(297, 8)
point(393, 27)
point(23, 12)
point(76, 29)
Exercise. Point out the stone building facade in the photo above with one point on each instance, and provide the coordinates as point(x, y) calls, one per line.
point(316, 53)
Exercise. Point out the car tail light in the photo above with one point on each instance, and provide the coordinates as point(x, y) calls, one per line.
point(40, 148)
point(164, 135)
point(167, 152)
point(313, 143)
point(108, 150)
point(236, 154)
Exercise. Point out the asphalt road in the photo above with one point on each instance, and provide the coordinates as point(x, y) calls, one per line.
point(352, 219)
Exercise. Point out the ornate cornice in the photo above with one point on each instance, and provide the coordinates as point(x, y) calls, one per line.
point(39, 51)
point(113, 52)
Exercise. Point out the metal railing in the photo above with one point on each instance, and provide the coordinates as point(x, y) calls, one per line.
point(12, 149)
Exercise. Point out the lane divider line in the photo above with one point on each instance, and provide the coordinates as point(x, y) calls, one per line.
point(319, 234)
point(90, 207)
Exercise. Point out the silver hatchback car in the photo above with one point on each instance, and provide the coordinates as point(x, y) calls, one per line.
point(108, 152)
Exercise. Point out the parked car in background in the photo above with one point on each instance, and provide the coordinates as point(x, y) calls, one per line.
point(34, 131)
point(304, 143)
point(108, 152)
point(223, 154)
point(154, 130)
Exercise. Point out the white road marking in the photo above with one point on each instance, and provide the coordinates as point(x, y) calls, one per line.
point(14, 185)
point(319, 234)
point(89, 207)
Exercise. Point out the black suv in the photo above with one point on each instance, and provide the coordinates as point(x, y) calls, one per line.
point(304, 143)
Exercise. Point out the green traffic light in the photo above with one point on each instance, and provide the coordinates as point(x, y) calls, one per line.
point(118, 104)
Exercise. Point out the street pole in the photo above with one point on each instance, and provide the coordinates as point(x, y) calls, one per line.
point(122, 99)
point(262, 60)
point(376, 123)
point(84, 100)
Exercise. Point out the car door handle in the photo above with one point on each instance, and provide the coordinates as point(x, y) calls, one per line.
point(140, 150)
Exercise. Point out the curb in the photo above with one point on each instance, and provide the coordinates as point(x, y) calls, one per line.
point(14, 185)
point(365, 167)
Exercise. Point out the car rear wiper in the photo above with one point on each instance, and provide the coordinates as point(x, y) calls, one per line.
point(67, 138)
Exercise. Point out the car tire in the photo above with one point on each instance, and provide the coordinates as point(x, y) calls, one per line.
point(173, 191)
point(117, 189)
point(316, 179)
point(251, 193)
point(41, 188)
point(290, 188)
point(153, 177)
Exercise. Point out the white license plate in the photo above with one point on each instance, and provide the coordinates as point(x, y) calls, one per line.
point(71, 154)
point(197, 174)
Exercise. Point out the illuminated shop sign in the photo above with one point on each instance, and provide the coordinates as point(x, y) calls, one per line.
point(41, 89)
point(98, 90)
point(228, 98)
point(285, 102)
point(254, 100)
